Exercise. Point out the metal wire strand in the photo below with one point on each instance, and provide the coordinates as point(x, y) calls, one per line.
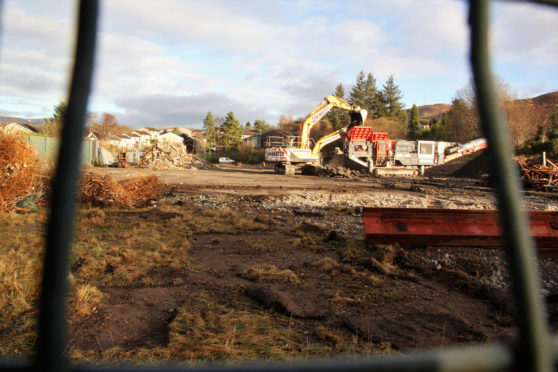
point(533, 352)
point(52, 324)
point(530, 311)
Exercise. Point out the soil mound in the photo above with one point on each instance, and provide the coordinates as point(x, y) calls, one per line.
point(290, 301)
point(406, 330)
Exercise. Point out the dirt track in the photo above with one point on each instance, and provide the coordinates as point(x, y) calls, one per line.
point(340, 296)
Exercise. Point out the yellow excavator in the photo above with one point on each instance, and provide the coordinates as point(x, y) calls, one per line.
point(293, 152)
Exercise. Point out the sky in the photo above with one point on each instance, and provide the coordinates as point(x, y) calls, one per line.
point(168, 63)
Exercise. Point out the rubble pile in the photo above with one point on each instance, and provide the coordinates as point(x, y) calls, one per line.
point(21, 174)
point(105, 191)
point(172, 155)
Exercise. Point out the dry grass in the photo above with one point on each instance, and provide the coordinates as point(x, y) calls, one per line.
point(21, 249)
point(270, 273)
point(333, 267)
point(86, 299)
point(210, 331)
point(352, 250)
point(116, 250)
point(326, 264)
point(341, 210)
point(225, 221)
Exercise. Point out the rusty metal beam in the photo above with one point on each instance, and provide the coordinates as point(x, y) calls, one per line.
point(453, 227)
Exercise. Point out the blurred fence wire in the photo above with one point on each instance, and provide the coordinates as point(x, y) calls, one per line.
point(534, 349)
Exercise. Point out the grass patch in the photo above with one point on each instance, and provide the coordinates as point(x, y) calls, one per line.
point(308, 236)
point(333, 267)
point(21, 249)
point(269, 273)
point(225, 221)
point(112, 248)
point(352, 250)
point(341, 210)
point(86, 299)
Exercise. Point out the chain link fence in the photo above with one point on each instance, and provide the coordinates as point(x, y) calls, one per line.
point(535, 349)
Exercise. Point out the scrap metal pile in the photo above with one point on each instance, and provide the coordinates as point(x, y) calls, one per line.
point(172, 155)
point(105, 191)
point(21, 174)
point(539, 177)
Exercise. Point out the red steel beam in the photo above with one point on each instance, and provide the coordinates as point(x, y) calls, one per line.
point(453, 227)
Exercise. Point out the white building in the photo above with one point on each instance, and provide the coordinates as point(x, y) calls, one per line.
point(170, 137)
point(153, 132)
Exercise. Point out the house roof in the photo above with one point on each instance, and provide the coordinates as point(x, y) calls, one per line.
point(151, 129)
point(274, 130)
point(93, 136)
point(170, 134)
point(22, 127)
point(249, 132)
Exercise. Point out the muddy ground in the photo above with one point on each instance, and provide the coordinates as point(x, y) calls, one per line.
point(303, 269)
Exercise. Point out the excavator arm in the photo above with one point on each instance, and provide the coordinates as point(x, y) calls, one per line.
point(325, 140)
point(319, 112)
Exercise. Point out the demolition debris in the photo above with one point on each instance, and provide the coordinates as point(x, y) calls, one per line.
point(172, 155)
point(105, 191)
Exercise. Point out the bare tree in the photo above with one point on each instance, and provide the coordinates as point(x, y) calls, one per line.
point(463, 123)
point(525, 120)
point(286, 123)
point(108, 126)
point(321, 129)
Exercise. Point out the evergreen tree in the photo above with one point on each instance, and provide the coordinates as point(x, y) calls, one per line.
point(54, 124)
point(59, 113)
point(210, 132)
point(248, 125)
point(370, 92)
point(339, 91)
point(231, 132)
point(358, 91)
point(261, 126)
point(381, 105)
point(392, 100)
point(366, 95)
point(413, 128)
point(337, 117)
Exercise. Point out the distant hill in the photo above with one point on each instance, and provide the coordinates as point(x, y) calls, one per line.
point(548, 99)
point(12, 119)
point(429, 112)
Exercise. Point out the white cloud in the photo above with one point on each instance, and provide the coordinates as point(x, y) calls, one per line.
point(526, 33)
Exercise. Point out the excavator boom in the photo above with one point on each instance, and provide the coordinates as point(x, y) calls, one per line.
point(319, 112)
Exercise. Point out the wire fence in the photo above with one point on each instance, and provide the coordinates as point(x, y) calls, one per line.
point(535, 349)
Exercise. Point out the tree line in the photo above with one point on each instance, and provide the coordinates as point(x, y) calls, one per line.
point(532, 127)
point(379, 102)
